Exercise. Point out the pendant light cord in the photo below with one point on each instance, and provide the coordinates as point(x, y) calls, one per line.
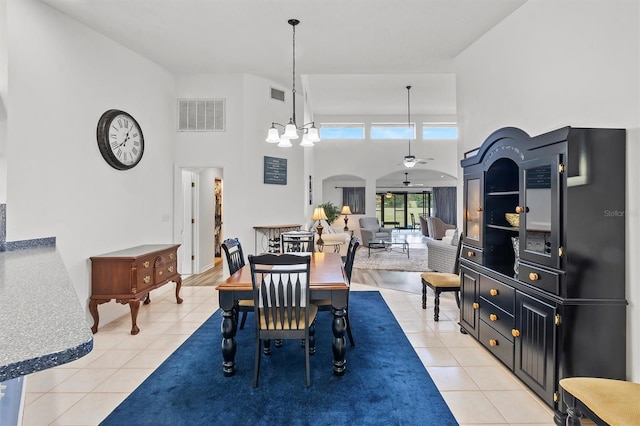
point(293, 23)
point(409, 115)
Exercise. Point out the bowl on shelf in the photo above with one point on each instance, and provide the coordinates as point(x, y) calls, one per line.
point(513, 219)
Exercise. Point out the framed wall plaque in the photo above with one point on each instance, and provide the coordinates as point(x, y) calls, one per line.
point(275, 170)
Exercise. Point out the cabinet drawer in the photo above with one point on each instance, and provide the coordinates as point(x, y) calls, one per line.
point(544, 279)
point(497, 344)
point(497, 318)
point(144, 274)
point(472, 253)
point(164, 271)
point(497, 293)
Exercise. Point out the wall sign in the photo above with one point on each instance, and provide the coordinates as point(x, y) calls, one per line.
point(275, 170)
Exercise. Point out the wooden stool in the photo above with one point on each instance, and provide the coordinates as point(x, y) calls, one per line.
point(439, 282)
point(605, 401)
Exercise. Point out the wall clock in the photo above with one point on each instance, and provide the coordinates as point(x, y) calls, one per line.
point(120, 139)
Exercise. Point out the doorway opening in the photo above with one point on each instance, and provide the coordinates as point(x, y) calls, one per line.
point(395, 208)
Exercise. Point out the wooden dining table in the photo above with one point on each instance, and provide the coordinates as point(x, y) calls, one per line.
point(327, 280)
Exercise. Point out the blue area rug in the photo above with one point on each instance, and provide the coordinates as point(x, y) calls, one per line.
point(384, 383)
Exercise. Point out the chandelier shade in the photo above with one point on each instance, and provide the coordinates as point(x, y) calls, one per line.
point(310, 134)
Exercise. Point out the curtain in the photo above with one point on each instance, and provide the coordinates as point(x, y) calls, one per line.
point(444, 199)
point(354, 198)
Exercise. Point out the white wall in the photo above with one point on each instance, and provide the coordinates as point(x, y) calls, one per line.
point(371, 159)
point(63, 76)
point(3, 96)
point(563, 63)
point(239, 151)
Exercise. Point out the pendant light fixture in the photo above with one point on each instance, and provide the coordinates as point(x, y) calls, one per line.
point(310, 132)
point(409, 160)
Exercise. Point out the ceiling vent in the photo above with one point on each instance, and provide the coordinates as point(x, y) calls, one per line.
point(201, 115)
point(277, 94)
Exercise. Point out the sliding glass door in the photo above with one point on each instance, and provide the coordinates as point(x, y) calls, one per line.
point(394, 209)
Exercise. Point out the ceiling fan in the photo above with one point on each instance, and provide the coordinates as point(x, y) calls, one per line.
point(410, 160)
point(405, 184)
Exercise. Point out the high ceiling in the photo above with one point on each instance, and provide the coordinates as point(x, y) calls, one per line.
point(355, 56)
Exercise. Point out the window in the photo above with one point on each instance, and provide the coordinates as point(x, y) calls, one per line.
point(393, 131)
point(354, 198)
point(342, 131)
point(439, 131)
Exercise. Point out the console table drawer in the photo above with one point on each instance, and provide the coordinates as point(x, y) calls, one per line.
point(497, 293)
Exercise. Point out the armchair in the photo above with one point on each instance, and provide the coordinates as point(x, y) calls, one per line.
point(437, 227)
point(371, 230)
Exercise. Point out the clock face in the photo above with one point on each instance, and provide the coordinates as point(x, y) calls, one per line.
point(120, 139)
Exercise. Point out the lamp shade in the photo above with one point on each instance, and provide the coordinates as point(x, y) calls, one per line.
point(290, 131)
point(312, 134)
point(306, 141)
point(284, 142)
point(273, 136)
point(319, 214)
point(345, 210)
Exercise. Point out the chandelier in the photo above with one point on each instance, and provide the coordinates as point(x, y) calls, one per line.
point(290, 131)
point(409, 160)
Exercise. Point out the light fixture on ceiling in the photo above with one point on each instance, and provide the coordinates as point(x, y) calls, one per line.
point(310, 132)
point(409, 160)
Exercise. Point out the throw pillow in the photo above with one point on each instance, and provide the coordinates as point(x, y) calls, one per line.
point(456, 237)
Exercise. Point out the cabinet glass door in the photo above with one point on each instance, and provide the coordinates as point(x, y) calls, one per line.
point(473, 210)
point(540, 211)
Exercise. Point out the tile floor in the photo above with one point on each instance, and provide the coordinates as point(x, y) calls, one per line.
point(477, 388)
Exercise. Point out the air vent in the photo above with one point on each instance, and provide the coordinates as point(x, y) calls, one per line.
point(278, 95)
point(201, 115)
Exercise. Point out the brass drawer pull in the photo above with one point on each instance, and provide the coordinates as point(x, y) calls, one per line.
point(476, 305)
point(533, 276)
point(145, 264)
point(147, 279)
point(160, 273)
point(493, 317)
point(515, 333)
point(493, 342)
point(170, 268)
point(493, 292)
point(171, 256)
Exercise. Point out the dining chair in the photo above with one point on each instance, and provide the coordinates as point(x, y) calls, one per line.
point(297, 242)
point(281, 302)
point(442, 281)
point(235, 261)
point(325, 304)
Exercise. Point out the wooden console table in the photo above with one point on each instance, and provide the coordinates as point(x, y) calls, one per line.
point(129, 275)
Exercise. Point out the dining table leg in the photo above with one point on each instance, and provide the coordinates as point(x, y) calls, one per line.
point(339, 342)
point(228, 330)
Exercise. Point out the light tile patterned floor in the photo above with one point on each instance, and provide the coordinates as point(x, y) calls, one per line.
point(477, 388)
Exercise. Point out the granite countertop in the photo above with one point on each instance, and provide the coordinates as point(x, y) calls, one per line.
point(42, 324)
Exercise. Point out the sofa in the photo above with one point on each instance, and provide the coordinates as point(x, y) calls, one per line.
point(371, 230)
point(441, 254)
point(332, 234)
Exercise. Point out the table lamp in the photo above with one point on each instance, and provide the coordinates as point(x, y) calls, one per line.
point(346, 210)
point(319, 214)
